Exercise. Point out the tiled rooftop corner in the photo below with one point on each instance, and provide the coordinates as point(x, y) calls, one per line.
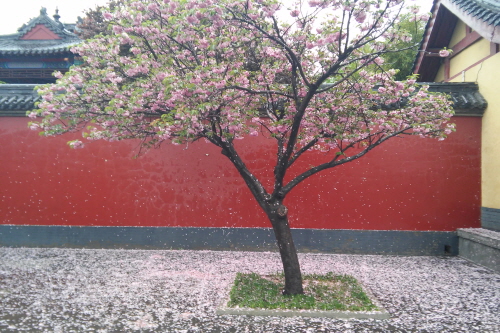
point(16, 99)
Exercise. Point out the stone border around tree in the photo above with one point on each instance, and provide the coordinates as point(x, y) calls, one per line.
point(381, 314)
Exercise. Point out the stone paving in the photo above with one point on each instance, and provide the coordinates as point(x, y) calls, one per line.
point(68, 290)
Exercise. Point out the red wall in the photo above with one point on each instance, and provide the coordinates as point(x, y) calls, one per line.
point(405, 184)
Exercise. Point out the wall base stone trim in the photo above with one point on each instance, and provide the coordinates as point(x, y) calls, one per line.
point(433, 243)
point(490, 218)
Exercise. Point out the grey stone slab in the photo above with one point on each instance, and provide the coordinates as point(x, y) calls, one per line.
point(483, 236)
point(480, 246)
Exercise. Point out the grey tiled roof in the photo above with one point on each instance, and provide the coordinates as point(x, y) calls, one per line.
point(482, 16)
point(467, 101)
point(14, 45)
point(484, 10)
point(16, 99)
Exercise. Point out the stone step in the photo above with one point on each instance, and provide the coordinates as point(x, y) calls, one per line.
point(481, 246)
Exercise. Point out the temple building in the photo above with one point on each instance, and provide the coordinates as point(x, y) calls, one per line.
point(39, 47)
point(30, 56)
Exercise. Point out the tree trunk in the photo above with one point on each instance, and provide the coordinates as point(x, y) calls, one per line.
point(277, 214)
point(288, 252)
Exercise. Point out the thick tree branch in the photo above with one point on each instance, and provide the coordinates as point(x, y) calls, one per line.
point(335, 162)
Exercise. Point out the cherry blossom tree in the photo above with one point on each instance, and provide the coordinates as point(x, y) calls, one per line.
point(306, 75)
point(94, 23)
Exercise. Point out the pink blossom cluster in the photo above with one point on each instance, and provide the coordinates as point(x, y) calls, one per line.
point(220, 70)
point(444, 53)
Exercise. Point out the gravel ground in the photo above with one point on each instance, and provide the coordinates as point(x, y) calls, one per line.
point(65, 290)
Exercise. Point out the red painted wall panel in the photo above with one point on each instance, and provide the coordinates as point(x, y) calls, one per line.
point(405, 184)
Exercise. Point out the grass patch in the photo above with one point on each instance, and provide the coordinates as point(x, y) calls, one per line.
point(321, 292)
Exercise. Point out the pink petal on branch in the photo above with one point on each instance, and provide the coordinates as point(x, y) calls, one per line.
point(444, 53)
